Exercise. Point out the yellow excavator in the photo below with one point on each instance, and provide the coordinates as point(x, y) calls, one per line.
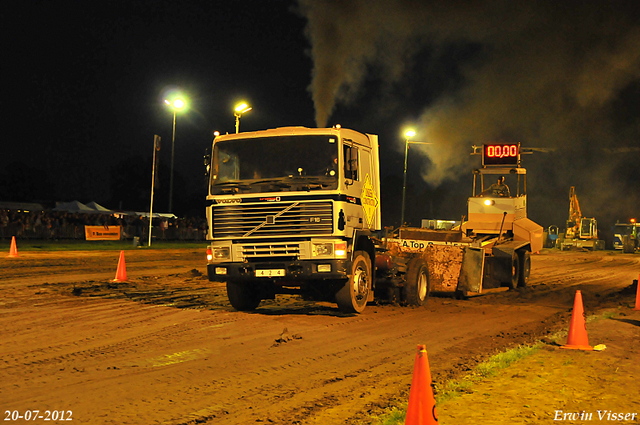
point(581, 232)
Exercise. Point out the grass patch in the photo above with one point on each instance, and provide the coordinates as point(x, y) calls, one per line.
point(454, 388)
point(609, 314)
point(491, 367)
point(395, 416)
point(82, 245)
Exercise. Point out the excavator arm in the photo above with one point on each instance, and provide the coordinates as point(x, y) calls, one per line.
point(574, 207)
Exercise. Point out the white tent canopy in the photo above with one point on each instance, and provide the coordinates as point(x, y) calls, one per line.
point(96, 206)
point(73, 206)
point(26, 206)
point(156, 215)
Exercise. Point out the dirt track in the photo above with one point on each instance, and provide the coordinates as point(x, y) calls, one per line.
point(166, 347)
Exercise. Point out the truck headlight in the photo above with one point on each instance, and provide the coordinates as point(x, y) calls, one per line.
point(322, 249)
point(489, 202)
point(221, 252)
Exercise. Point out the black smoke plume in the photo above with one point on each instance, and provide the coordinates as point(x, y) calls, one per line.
point(554, 74)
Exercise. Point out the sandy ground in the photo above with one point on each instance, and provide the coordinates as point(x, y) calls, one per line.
point(165, 346)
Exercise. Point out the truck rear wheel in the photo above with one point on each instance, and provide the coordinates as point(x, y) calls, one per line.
point(242, 297)
point(416, 289)
point(515, 272)
point(525, 268)
point(352, 297)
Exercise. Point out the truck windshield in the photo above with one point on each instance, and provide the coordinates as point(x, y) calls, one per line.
point(284, 163)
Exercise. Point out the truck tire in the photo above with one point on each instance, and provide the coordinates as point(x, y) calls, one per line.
point(416, 286)
point(352, 297)
point(515, 272)
point(242, 297)
point(525, 268)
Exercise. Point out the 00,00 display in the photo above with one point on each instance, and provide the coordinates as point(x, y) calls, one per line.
point(500, 155)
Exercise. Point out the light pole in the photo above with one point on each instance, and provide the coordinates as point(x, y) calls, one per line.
point(240, 109)
point(409, 134)
point(175, 106)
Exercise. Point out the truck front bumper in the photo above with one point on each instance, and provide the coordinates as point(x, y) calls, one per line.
point(279, 271)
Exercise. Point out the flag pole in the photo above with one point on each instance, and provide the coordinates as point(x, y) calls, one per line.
point(156, 148)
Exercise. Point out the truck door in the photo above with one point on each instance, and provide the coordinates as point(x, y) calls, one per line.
point(352, 183)
point(364, 184)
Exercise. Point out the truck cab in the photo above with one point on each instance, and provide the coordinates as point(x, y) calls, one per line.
point(291, 210)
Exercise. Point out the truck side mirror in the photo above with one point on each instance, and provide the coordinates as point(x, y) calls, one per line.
point(207, 161)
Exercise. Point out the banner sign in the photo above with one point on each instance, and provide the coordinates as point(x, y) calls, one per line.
point(102, 233)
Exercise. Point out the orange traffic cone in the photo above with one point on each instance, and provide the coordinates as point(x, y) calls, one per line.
point(13, 251)
point(578, 339)
point(637, 294)
point(121, 273)
point(422, 405)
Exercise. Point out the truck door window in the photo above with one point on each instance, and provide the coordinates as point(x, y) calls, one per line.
point(350, 162)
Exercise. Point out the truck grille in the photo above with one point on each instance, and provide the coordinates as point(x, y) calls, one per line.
point(271, 250)
point(272, 220)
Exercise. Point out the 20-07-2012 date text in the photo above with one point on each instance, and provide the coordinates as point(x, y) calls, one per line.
point(34, 415)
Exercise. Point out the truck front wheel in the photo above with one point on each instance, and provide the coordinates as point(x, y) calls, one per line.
point(416, 289)
point(352, 297)
point(242, 297)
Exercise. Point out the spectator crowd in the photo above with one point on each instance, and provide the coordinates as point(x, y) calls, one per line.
point(50, 224)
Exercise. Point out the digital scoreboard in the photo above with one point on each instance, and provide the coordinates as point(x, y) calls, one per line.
point(501, 154)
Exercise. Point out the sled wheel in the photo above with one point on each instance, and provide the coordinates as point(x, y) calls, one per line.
point(416, 289)
point(515, 272)
point(525, 268)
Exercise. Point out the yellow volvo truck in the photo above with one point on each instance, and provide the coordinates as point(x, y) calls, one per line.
point(296, 210)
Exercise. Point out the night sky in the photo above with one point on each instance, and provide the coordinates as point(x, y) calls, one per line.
point(84, 84)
